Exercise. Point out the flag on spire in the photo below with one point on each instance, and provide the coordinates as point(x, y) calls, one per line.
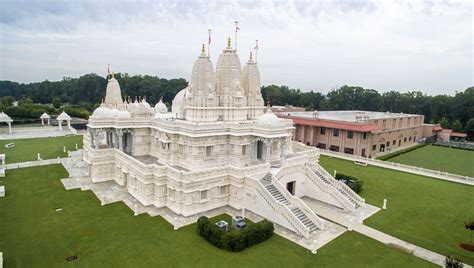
point(209, 42)
point(256, 45)
point(108, 68)
point(237, 26)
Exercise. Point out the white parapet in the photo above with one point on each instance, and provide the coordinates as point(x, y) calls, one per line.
point(2, 192)
point(2, 172)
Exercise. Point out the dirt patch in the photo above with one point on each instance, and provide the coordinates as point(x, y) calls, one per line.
point(467, 246)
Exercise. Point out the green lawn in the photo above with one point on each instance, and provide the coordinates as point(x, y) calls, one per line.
point(28, 149)
point(446, 159)
point(424, 211)
point(33, 234)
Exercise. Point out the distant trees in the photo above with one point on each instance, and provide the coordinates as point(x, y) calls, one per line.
point(90, 89)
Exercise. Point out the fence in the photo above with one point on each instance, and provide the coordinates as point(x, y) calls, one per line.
point(401, 167)
point(32, 163)
point(461, 145)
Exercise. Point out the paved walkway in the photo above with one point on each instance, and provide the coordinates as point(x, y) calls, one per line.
point(354, 222)
point(401, 167)
point(35, 132)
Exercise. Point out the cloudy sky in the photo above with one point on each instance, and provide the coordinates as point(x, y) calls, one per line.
point(385, 45)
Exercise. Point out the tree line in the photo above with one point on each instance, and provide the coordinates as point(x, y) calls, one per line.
point(81, 95)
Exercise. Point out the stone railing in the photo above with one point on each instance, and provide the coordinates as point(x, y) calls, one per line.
point(330, 189)
point(279, 208)
point(296, 202)
point(402, 167)
point(337, 184)
point(32, 163)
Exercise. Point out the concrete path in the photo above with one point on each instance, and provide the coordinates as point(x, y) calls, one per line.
point(353, 221)
point(401, 167)
point(35, 132)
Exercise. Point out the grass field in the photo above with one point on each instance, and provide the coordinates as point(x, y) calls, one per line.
point(33, 234)
point(28, 149)
point(426, 212)
point(446, 159)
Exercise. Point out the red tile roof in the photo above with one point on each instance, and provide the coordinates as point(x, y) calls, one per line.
point(458, 134)
point(437, 128)
point(358, 127)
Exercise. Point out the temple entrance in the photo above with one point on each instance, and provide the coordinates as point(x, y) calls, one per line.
point(260, 150)
point(290, 186)
point(382, 147)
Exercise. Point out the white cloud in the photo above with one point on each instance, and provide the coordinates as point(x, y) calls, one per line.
point(316, 45)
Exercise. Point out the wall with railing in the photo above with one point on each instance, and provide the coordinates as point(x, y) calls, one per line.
point(402, 167)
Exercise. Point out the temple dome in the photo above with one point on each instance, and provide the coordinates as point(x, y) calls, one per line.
point(178, 100)
point(203, 73)
point(145, 104)
point(124, 114)
point(228, 70)
point(269, 119)
point(114, 112)
point(101, 111)
point(160, 107)
point(113, 95)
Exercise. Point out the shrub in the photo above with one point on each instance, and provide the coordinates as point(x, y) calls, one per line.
point(234, 240)
point(353, 183)
point(452, 262)
point(397, 153)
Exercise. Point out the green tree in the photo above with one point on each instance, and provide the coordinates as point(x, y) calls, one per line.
point(444, 122)
point(469, 129)
point(457, 126)
point(56, 102)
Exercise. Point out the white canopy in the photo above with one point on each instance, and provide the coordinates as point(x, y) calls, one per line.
point(64, 116)
point(5, 118)
point(45, 116)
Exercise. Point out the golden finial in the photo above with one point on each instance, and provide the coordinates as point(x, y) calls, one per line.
point(228, 42)
point(203, 49)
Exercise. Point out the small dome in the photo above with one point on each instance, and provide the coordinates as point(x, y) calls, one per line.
point(136, 104)
point(160, 107)
point(145, 104)
point(4, 117)
point(269, 118)
point(124, 114)
point(101, 111)
point(114, 112)
point(178, 99)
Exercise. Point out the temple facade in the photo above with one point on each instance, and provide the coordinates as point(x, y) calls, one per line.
point(214, 148)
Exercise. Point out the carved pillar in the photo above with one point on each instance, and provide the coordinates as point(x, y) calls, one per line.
point(119, 135)
point(268, 145)
point(282, 151)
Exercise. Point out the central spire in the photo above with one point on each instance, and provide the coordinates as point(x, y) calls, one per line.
point(228, 43)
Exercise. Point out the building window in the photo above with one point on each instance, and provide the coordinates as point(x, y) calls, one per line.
point(348, 151)
point(394, 142)
point(374, 147)
point(321, 145)
point(335, 132)
point(208, 150)
point(204, 194)
point(334, 148)
point(405, 139)
point(350, 134)
point(388, 143)
point(364, 135)
point(409, 138)
point(244, 149)
point(322, 131)
point(224, 189)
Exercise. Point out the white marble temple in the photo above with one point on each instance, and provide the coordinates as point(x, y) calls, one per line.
point(216, 148)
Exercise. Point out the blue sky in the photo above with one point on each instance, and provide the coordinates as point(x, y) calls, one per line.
point(317, 45)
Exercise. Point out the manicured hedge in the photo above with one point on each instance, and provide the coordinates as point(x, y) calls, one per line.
point(354, 183)
point(234, 240)
point(397, 153)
